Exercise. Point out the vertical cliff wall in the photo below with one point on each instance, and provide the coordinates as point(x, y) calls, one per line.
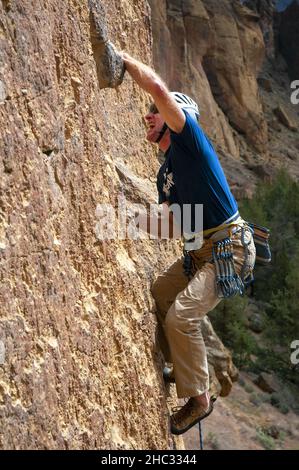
point(79, 369)
point(214, 51)
point(80, 365)
point(288, 37)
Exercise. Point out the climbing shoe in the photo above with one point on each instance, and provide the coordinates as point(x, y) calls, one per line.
point(168, 375)
point(188, 415)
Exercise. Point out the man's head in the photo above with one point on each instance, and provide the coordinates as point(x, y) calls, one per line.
point(155, 125)
point(158, 131)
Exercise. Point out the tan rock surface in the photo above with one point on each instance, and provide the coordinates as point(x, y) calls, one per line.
point(81, 367)
point(285, 118)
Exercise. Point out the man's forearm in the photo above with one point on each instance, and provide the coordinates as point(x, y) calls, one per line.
point(159, 226)
point(153, 226)
point(143, 75)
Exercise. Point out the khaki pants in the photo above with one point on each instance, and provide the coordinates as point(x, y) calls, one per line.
point(181, 305)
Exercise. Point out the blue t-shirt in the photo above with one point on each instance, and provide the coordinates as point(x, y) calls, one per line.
point(192, 174)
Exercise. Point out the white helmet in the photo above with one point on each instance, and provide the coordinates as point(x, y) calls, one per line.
point(186, 103)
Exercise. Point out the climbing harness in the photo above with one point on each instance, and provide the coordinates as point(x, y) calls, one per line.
point(218, 249)
point(193, 245)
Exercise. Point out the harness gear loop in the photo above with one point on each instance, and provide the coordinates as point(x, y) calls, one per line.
point(218, 249)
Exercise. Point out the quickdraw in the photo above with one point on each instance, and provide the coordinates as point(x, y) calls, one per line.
point(228, 282)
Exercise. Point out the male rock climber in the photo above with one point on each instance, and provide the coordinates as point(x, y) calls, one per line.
point(192, 174)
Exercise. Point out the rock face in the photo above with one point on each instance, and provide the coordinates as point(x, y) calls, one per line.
point(279, 23)
point(221, 368)
point(110, 66)
point(289, 37)
point(79, 340)
point(265, 9)
point(283, 117)
point(80, 366)
point(267, 383)
point(214, 50)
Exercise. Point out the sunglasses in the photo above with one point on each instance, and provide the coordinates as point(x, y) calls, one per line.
point(153, 109)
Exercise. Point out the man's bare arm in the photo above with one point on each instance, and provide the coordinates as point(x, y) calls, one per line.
point(149, 81)
point(160, 225)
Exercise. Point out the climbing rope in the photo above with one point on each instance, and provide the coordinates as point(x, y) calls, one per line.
point(200, 436)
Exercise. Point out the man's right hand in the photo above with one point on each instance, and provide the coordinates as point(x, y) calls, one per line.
point(149, 81)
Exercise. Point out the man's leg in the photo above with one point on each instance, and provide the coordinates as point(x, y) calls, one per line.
point(183, 321)
point(164, 290)
point(183, 330)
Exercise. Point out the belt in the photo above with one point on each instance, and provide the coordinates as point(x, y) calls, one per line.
point(205, 253)
point(226, 232)
point(235, 220)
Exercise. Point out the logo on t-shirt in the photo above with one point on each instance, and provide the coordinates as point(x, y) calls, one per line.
point(168, 183)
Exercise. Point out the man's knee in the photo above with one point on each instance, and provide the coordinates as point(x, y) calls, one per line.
point(175, 320)
point(171, 319)
point(182, 318)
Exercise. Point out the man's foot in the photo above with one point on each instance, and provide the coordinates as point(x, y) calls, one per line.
point(189, 415)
